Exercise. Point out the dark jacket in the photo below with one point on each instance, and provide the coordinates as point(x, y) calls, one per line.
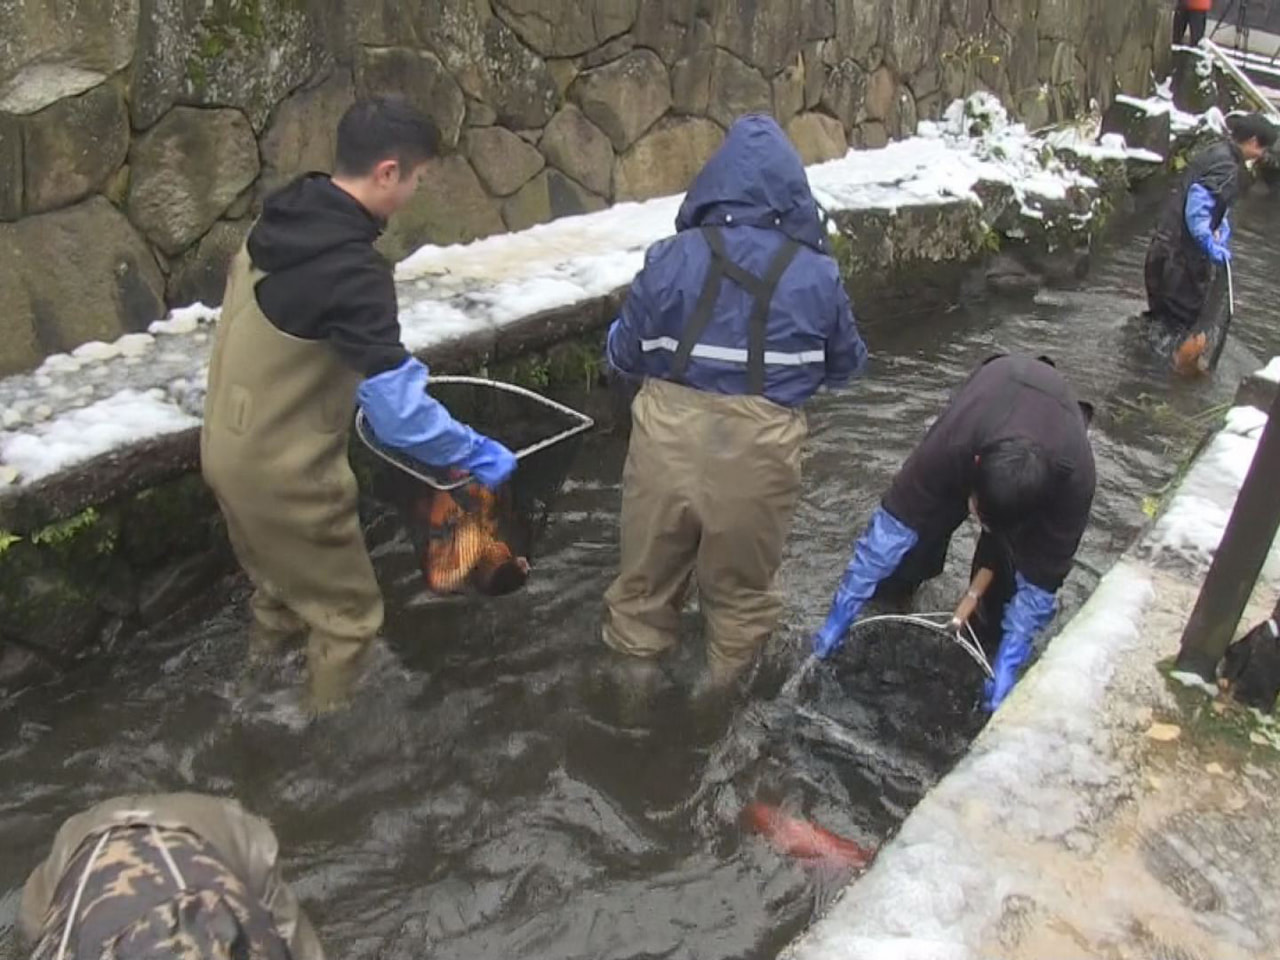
point(1007, 397)
point(325, 280)
point(1217, 169)
point(755, 193)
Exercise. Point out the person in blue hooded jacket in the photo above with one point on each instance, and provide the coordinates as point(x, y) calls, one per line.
point(1011, 449)
point(732, 324)
point(1194, 233)
point(309, 329)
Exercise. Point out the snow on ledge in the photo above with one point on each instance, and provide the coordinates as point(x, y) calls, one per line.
point(447, 293)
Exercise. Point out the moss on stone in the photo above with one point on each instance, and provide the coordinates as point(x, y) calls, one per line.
point(1217, 722)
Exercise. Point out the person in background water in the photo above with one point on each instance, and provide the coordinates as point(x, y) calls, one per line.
point(1194, 233)
point(732, 324)
point(309, 327)
point(1193, 14)
point(180, 876)
point(1012, 448)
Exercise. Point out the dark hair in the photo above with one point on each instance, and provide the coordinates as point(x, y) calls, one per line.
point(1011, 479)
point(1248, 126)
point(383, 128)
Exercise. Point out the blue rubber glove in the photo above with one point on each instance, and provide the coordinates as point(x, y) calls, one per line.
point(491, 463)
point(1197, 213)
point(1026, 614)
point(1219, 253)
point(877, 554)
point(1224, 232)
point(403, 415)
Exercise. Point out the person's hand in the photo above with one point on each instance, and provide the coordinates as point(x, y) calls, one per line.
point(1219, 252)
point(828, 641)
point(491, 463)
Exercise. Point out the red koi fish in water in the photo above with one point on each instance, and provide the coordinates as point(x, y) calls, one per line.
point(803, 840)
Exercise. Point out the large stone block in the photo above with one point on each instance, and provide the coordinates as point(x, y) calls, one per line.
point(1140, 129)
point(737, 88)
point(910, 33)
point(73, 147)
point(547, 196)
point(303, 132)
point(672, 29)
point(845, 93)
point(567, 28)
point(579, 148)
point(691, 83)
point(186, 171)
point(10, 167)
point(50, 50)
point(489, 61)
point(450, 207)
point(815, 73)
point(1063, 19)
point(666, 160)
point(817, 137)
point(108, 282)
point(625, 98)
point(504, 162)
point(788, 92)
point(420, 78)
point(858, 24)
point(239, 54)
point(766, 35)
point(201, 275)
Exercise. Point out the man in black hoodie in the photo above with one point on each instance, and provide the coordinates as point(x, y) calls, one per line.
point(309, 326)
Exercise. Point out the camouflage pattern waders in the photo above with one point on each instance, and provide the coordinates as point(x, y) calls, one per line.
point(124, 881)
point(274, 449)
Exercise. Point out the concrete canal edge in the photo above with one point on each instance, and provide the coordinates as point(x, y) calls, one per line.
point(1064, 831)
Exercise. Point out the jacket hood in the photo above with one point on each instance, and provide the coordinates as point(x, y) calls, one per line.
point(305, 219)
point(755, 178)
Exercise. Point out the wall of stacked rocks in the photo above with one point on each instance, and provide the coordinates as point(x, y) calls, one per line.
point(139, 137)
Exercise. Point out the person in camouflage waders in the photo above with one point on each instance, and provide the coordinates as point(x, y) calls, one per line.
point(178, 875)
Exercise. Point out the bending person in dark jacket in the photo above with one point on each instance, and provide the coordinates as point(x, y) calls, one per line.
point(1012, 448)
point(1194, 232)
point(309, 326)
point(733, 323)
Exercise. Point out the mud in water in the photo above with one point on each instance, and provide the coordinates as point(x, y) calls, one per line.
point(504, 789)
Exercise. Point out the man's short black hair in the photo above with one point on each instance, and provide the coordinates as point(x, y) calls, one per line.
point(1246, 127)
point(383, 128)
point(1011, 479)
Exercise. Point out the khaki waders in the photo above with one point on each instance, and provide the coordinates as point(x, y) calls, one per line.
point(274, 449)
point(709, 489)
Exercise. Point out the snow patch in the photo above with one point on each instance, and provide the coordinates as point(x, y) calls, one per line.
point(185, 320)
point(79, 435)
point(1271, 371)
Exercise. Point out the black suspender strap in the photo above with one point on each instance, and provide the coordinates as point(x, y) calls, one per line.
point(761, 290)
point(760, 315)
point(697, 323)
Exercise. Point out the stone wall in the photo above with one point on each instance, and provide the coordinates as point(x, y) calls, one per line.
point(138, 137)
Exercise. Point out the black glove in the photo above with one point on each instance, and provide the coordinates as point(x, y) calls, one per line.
point(1252, 667)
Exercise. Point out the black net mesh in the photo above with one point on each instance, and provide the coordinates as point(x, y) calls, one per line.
point(468, 538)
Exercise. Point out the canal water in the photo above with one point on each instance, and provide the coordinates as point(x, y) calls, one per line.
point(503, 789)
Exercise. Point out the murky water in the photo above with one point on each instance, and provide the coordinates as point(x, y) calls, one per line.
point(503, 791)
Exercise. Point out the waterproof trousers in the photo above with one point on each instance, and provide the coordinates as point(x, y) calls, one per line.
point(1177, 275)
point(709, 490)
point(273, 448)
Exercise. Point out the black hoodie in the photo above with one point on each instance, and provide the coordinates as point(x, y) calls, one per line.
point(325, 280)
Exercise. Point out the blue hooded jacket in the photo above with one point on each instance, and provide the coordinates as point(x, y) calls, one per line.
point(754, 190)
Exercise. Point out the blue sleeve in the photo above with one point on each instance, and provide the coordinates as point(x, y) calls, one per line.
point(1198, 214)
point(846, 353)
point(1025, 615)
point(403, 415)
point(623, 347)
point(877, 554)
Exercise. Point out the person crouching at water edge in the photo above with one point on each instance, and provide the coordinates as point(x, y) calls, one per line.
point(1194, 233)
point(1012, 447)
point(309, 327)
point(733, 323)
point(175, 876)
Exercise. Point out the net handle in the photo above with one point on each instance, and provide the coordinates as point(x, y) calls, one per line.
point(969, 602)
